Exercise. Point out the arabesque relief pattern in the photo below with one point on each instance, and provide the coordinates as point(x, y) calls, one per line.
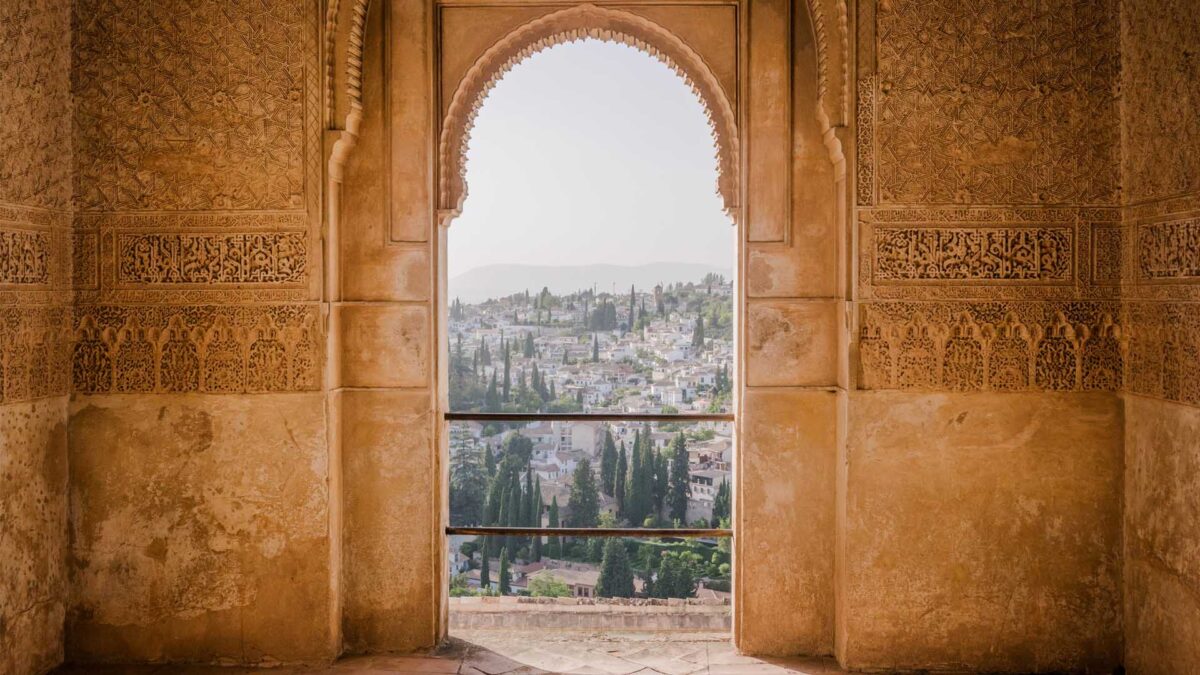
point(991, 245)
point(1161, 89)
point(973, 253)
point(991, 103)
point(241, 258)
point(35, 349)
point(992, 346)
point(199, 192)
point(215, 349)
point(1019, 253)
point(1161, 176)
point(36, 241)
point(220, 125)
point(35, 121)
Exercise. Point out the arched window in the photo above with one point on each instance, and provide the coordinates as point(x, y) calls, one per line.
point(591, 326)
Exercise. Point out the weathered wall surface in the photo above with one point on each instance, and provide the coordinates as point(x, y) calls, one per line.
point(199, 528)
point(33, 534)
point(981, 481)
point(36, 275)
point(1162, 542)
point(1161, 286)
point(199, 482)
point(983, 532)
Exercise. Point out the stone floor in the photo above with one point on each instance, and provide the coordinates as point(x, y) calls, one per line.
point(516, 653)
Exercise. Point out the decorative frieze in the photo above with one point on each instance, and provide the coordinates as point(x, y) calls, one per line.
point(865, 141)
point(992, 346)
point(24, 257)
point(211, 258)
point(34, 352)
point(934, 254)
point(1169, 250)
point(218, 349)
point(1164, 350)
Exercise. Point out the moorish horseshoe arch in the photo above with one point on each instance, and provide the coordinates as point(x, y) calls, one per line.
point(569, 25)
point(345, 33)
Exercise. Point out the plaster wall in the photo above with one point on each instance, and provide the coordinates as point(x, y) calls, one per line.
point(983, 532)
point(1161, 173)
point(199, 529)
point(36, 275)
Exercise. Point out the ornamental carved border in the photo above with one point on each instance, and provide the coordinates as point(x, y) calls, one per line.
point(996, 346)
point(34, 352)
point(567, 25)
point(150, 258)
point(1164, 350)
point(1018, 253)
point(200, 348)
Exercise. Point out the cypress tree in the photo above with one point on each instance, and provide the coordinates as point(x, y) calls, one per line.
point(507, 378)
point(661, 479)
point(595, 348)
point(698, 333)
point(721, 504)
point(505, 577)
point(552, 518)
point(491, 399)
point(616, 574)
point(619, 480)
point(632, 305)
point(485, 576)
point(633, 484)
point(608, 464)
point(489, 460)
point(584, 502)
point(680, 485)
point(515, 500)
point(528, 345)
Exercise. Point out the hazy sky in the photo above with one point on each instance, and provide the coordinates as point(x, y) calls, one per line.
point(591, 152)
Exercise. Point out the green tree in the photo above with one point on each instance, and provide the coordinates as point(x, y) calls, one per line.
point(698, 333)
point(548, 586)
point(595, 348)
point(679, 487)
point(721, 504)
point(468, 488)
point(528, 345)
point(485, 576)
point(489, 460)
point(635, 504)
point(491, 400)
point(619, 480)
point(552, 521)
point(507, 372)
point(632, 306)
point(608, 464)
point(678, 573)
point(584, 502)
point(616, 574)
point(505, 575)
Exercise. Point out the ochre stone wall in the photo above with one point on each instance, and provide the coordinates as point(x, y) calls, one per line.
point(199, 528)
point(1160, 40)
point(982, 502)
point(985, 531)
point(36, 275)
point(200, 501)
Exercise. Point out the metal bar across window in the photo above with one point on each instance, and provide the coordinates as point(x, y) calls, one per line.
point(683, 532)
point(586, 417)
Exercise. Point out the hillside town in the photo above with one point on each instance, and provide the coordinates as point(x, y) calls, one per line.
point(667, 350)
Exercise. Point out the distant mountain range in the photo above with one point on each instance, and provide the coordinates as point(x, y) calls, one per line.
point(495, 281)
